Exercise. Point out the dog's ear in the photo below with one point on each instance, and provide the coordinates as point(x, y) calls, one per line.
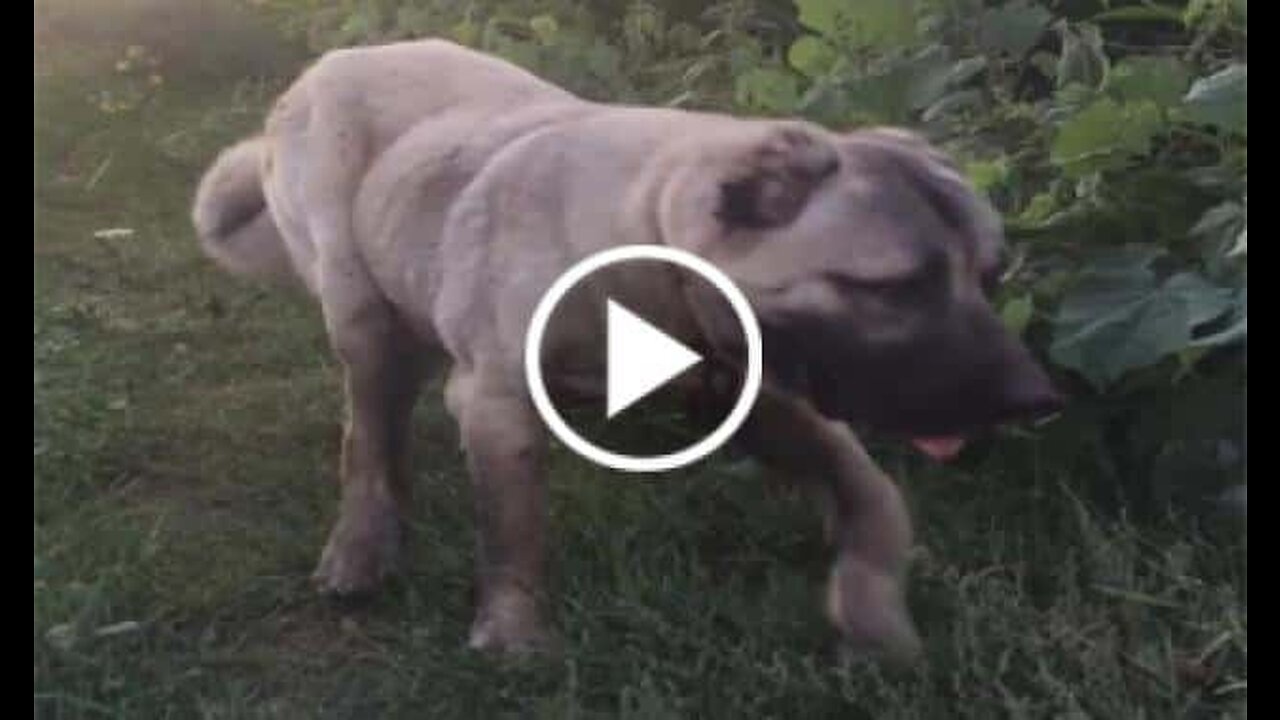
point(769, 183)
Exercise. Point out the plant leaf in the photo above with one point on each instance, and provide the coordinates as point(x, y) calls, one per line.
point(1082, 61)
point(952, 102)
point(1104, 136)
point(1117, 318)
point(767, 89)
point(1162, 80)
point(1141, 13)
point(875, 24)
point(1204, 300)
point(1241, 245)
point(930, 76)
point(1016, 314)
point(936, 76)
point(1238, 329)
point(986, 174)
point(545, 28)
point(811, 57)
point(1220, 226)
point(1221, 100)
point(1012, 29)
point(893, 95)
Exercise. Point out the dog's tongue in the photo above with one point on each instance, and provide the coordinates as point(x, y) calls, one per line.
point(941, 449)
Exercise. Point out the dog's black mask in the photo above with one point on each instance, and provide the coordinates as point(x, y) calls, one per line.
point(954, 378)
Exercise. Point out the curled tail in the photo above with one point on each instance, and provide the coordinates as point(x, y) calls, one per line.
point(231, 217)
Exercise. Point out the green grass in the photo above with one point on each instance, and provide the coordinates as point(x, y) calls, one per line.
point(186, 433)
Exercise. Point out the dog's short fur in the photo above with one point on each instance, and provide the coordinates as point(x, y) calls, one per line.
point(427, 195)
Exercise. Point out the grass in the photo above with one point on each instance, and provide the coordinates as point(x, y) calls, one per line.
point(186, 432)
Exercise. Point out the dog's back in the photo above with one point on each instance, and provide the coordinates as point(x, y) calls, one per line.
point(327, 129)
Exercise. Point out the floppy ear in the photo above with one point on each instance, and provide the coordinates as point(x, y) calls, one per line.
point(770, 182)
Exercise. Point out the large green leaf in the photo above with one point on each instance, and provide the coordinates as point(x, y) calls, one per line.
point(1222, 99)
point(1221, 225)
point(881, 98)
point(466, 32)
point(874, 24)
point(414, 22)
point(1083, 61)
point(954, 102)
point(545, 28)
point(1162, 80)
point(1236, 330)
point(935, 75)
point(1203, 300)
point(1104, 136)
point(821, 16)
point(811, 56)
point(362, 23)
point(825, 101)
point(1069, 101)
point(987, 174)
point(930, 74)
point(1119, 318)
point(1016, 313)
point(767, 89)
point(1140, 13)
point(1012, 29)
point(1241, 246)
point(896, 93)
point(1202, 14)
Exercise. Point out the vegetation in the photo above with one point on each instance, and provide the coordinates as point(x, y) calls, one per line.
point(1091, 567)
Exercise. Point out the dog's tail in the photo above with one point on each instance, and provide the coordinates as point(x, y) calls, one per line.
point(231, 217)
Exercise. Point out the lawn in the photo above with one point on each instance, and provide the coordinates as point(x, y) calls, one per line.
point(186, 436)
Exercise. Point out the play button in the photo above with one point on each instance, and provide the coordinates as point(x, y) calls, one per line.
point(641, 358)
point(617, 343)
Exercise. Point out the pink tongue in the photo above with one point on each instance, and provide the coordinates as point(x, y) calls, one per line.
point(939, 448)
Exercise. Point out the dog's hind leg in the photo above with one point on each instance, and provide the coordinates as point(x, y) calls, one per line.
point(505, 448)
point(866, 520)
point(383, 367)
point(321, 151)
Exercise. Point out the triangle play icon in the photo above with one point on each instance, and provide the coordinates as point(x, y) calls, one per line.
point(641, 358)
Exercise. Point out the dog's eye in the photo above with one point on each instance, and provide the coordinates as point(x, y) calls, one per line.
point(923, 285)
point(905, 290)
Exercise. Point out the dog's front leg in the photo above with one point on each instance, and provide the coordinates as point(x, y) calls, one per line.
point(866, 520)
point(505, 447)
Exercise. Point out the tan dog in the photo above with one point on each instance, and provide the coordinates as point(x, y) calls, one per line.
point(427, 195)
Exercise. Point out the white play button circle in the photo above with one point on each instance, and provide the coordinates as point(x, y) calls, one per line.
point(641, 358)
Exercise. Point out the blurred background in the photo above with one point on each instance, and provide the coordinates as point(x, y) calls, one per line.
point(186, 423)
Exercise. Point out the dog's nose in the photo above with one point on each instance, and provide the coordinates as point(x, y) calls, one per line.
point(1044, 405)
point(1031, 395)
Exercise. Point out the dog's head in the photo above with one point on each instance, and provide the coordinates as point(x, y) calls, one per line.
point(869, 261)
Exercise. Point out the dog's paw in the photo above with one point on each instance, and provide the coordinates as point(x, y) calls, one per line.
point(363, 550)
point(510, 622)
point(866, 604)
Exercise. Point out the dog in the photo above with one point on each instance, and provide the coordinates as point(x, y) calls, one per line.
point(427, 195)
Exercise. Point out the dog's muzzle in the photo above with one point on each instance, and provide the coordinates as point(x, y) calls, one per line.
point(935, 390)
